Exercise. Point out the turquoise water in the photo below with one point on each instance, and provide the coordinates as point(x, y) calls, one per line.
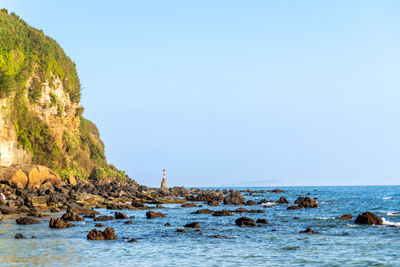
point(340, 243)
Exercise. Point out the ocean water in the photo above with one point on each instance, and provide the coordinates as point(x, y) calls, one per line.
point(279, 243)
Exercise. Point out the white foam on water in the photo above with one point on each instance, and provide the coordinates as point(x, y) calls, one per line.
point(352, 225)
point(387, 198)
point(269, 203)
point(385, 222)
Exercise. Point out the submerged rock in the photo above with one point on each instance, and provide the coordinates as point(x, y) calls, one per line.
point(276, 191)
point(152, 214)
point(345, 217)
point(189, 205)
point(26, 220)
point(308, 231)
point(218, 236)
point(167, 224)
point(203, 211)
point(108, 234)
point(245, 222)
point(294, 208)
point(59, 223)
point(103, 218)
point(368, 218)
point(222, 213)
point(264, 221)
point(128, 222)
point(99, 225)
point(193, 225)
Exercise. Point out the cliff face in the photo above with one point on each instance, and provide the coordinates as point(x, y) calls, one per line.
point(40, 117)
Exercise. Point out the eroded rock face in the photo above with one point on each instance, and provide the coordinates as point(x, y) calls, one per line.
point(368, 218)
point(108, 234)
point(152, 214)
point(245, 222)
point(59, 223)
point(234, 198)
point(28, 176)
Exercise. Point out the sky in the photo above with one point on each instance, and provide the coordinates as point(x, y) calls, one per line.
point(237, 92)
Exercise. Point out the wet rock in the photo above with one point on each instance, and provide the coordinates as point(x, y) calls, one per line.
point(7, 210)
point(218, 236)
point(71, 216)
point(132, 217)
point(108, 234)
point(308, 231)
point(203, 211)
point(250, 203)
point(282, 200)
point(167, 224)
point(306, 202)
point(19, 236)
point(276, 191)
point(264, 221)
point(103, 218)
point(222, 213)
point(1, 217)
point(294, 208)
point(120, 216)
point(181, 230)
point(193, 225)
point(59, 223)
point(99, 225)
point(234, 198)
point(189, 205)
point(131, 240)
point(244, 210)
point(26, 220)
point(345, 217)
point(213, 203)
point(245, 222)
point(152, 214)
point(159, 206)
point(368, 218)
point(296, 218)
point(128, 222)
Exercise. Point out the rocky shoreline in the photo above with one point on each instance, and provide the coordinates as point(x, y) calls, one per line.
point(43, 194)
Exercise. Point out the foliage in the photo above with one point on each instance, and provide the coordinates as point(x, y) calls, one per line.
point(24, 50)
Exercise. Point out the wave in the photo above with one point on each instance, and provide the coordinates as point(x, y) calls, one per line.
point(385, 222)
point(269, 203)
point(387, 198)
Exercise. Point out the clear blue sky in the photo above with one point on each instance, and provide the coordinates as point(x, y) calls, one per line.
point(221, 92)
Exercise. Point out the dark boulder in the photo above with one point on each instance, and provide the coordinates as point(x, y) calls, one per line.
point(128, 222)
point(189, 205)
point(250, 203)
point(282, 200)
point(213, 203)
point(193, 225)
point(19, 236)
point(108, 234)
point(264, 221)
point(306, 202)
point(26, 220)
point(99, 225)
point(234, 198)
point(276, 191)
point(345, 217)
point(167, 224)
point(245, 222)
point(218, 236)
point(368, 218)
point(152, 214)
point(103, 218)
point(222, 213)
point(59, 223)
point(120, 215)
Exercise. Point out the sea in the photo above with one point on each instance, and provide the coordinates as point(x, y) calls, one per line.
point(279, 243)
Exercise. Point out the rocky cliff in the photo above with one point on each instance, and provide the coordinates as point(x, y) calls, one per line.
point(41, 119)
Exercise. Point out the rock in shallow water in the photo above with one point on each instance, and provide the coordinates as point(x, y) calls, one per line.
point(245, 222)
point(71, 216)
point(108, 234)
point(222, 213)
point(19, 236)
point(120, 215)
point(152, 214)
point(345, 217)
point(26, 220)
point(308, 231)
point(368, 218)
point(103, 218)
point(264, 221)
point(193, 225)
point(59, 223)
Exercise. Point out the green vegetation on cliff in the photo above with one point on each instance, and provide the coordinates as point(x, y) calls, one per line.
point(29, 60)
